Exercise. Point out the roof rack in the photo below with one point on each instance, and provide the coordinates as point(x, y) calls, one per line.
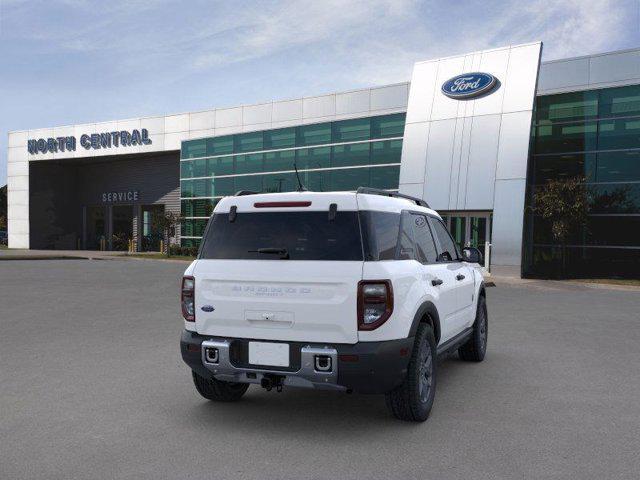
point(385, 193)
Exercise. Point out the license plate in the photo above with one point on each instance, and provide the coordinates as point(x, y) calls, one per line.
point(269, 354)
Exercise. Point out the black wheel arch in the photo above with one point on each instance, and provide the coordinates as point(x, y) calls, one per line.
point(427, 313)
point(482, 292)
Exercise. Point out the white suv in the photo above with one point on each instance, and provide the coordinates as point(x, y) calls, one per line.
point(340, 290)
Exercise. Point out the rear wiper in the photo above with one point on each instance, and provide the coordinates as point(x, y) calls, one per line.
point(284, 254)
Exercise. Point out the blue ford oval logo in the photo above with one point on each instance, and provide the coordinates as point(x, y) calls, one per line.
point(469, 85)
point(207, 308)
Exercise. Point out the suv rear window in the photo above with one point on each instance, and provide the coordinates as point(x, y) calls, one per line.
point(304, 236)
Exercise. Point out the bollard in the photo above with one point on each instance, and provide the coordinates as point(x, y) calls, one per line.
point(487, 256)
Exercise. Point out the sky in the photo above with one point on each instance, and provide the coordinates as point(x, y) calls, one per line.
point(65, 62)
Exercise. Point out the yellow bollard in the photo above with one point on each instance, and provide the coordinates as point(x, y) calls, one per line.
point(161, 246)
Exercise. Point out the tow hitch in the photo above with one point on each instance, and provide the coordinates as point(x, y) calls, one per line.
point(270, 381)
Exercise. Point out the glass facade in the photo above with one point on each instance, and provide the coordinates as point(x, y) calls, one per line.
point(340, 155)
point(593, 135)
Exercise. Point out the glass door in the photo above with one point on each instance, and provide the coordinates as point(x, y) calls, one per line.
point(95, 225)
point(151, 232)
point(458, 229)
point(478, 233)
point(122, 224)
point(470, 229)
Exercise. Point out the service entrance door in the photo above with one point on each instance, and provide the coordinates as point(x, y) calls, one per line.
point(121, 227)
point(96, 227)
point(470, 229)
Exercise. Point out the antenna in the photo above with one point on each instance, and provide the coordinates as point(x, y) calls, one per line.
point(301, 187)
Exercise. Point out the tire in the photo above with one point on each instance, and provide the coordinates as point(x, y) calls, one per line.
point(476, 347)
point(412, 401)
point(219, 391)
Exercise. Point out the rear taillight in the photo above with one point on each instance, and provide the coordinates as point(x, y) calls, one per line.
point(187, 299)
point(375, 303)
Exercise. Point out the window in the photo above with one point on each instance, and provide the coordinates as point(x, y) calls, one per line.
point(319, 157)
point(348, 155)
point(220, 166)
point(279, 182)
point(448, 250)
point(186, 188)
point(274, 161)
point(425, 246)
point(220, 187)
point(252, 183)
point(386, 178)
point(380, 231)
point(620, 102)
point(351, 130)
point(551, 167)
point(567, 107)
point(252, 163)
point(388, 151)
point(406, 250)
point(388, 126)
point(248, 142)
point(220, 145)
point(620, 133)
point(197, 208)
point(593, 134)
point(575, 137)
point(194, 148)
point(618, 166)
point(313, 134)
point(193, 228)
point(280, 138)
point(347, 179)
point(304, 236)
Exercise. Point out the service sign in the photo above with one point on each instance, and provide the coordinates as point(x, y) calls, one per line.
point(93, 141)
point(469, 85)
point(119, 197)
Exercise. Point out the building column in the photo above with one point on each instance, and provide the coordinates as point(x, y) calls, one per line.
point(109, 226)
point(137, 226)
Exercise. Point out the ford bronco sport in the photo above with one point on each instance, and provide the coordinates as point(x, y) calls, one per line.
point(341, 290)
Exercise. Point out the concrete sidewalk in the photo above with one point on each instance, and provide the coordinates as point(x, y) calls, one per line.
point(23, 254)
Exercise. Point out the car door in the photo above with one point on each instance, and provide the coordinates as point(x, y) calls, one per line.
point(438, 279)
point(459, 274)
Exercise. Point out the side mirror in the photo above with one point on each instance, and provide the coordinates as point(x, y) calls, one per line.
point(472, 255)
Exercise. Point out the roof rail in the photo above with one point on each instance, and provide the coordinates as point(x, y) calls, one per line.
point(385, 193)
point(242, 193)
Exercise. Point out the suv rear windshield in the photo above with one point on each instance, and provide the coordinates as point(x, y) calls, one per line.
point(302, 235)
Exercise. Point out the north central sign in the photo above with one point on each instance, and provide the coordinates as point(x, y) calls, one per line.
point(93, 141)
point(469, 85)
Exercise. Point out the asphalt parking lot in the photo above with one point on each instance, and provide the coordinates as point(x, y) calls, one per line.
point(92, 386)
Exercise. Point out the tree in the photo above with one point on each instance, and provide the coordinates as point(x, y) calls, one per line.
point(166, 222)
point(565, 204)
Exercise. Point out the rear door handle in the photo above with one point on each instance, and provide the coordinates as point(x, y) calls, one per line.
point(460, 277)
point(436, 282)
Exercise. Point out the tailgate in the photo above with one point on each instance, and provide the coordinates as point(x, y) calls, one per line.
point(308, 301)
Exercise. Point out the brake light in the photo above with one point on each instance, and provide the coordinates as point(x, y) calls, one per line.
point(187, 298)
point(281, 204)
point(375, 303)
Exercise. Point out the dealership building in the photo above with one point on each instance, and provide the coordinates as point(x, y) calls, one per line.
point(475, 135)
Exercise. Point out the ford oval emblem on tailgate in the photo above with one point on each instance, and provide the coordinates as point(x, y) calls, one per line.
point(207, 308)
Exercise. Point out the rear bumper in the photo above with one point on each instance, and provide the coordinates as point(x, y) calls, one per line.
point(365, 367)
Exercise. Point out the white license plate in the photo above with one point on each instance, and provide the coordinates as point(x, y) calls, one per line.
point(269, 354)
